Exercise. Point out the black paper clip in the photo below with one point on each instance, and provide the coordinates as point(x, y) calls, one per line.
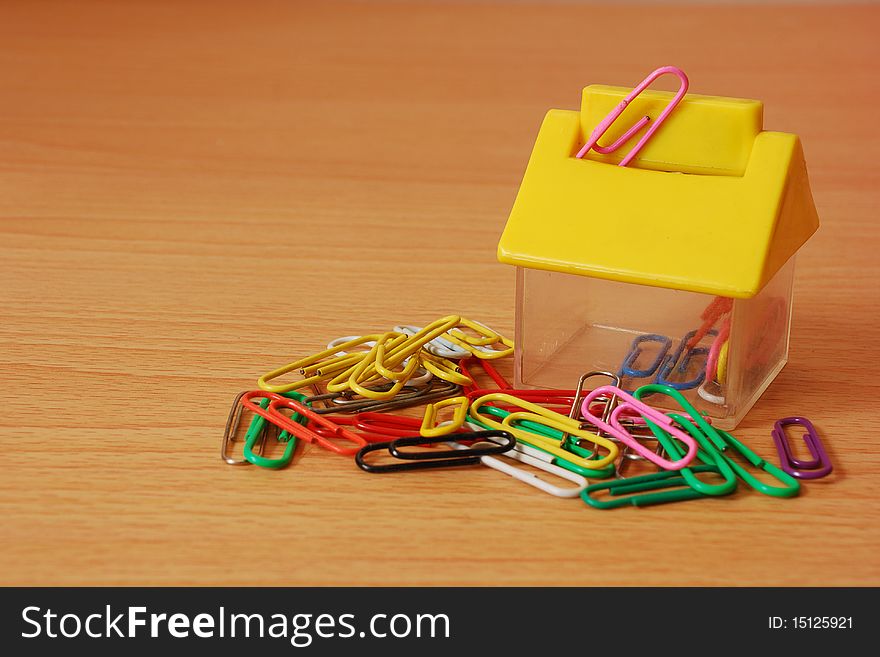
point(449, 458)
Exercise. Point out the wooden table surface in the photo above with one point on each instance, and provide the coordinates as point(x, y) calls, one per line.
point(193, 193)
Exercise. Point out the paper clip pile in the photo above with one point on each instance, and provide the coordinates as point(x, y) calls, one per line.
point(342, 398)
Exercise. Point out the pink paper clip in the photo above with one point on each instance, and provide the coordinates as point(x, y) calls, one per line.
point(715, 351)
point(604, 124)
point(629, 404)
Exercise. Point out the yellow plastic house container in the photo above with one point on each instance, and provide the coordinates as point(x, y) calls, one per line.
point(675, 269)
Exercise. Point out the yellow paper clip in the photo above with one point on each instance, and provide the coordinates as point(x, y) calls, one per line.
point(430, 429)
point(480, 345)
point(722, 362)
point(401, 347)
point(365, 366)
point(415, 343)
point(342, 359)
point(548, 418)
point(410, 364)
point(329, 367)
point(485, 336)
point(444, 368)
point(367, 370)
point(484, 351)
point(264, 381)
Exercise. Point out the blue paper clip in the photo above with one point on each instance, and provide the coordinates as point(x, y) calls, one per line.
point(627, 367)
point(680, 362)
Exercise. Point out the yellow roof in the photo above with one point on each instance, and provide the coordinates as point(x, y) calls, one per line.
point(712, 203)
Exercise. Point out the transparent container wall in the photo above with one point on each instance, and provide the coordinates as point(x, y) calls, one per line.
point(721, 353)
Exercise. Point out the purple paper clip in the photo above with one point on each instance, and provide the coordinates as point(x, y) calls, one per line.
point(814, 468)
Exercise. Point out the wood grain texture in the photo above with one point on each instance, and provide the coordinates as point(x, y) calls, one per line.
point(193, 193)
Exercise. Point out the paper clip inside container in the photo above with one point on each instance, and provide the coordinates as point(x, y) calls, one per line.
point(675, 366)
point(628, 367)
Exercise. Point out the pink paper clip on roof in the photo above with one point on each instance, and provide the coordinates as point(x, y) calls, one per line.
point(604, 124)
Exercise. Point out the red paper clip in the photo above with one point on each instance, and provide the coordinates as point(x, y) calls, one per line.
point(387, 425)
point(488, 368)
point(543, 397)
point(350, 421)
point(377, 427)
point(276, 417)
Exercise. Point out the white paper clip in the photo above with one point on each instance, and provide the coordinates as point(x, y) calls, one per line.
point(439, 346)
point(710, 396)
point(537, 459)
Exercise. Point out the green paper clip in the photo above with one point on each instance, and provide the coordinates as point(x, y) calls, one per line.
point(708, 439)
point(723, 441)
point(258, 426)
point(791, 486)
point(708, 455)
point(695, 416)
point(650, 482)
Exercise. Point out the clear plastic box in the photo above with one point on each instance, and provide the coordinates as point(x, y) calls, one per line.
point(567, 325)
point(618, 267)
